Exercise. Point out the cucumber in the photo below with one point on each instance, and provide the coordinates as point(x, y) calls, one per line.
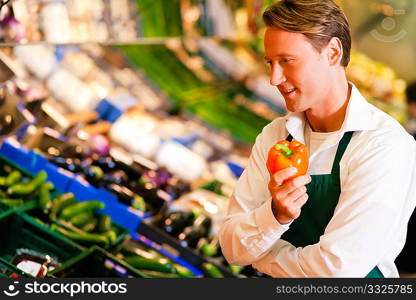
point(81, 219)
point(49, 185)
point(28, 188)
point(13, 178)
point(85, 238)
point(60, 203)
point(235, 269)
point(45, 202)
point(156, 274)
point(12, 202)
point(90, 225)
point(160, 265)
point(79, 207)
point(211, 270)
point(209, 249)
point(104, 224)
point(111, 235)
point(183, 272)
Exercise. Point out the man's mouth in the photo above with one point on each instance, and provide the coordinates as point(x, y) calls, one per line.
point(287, 91)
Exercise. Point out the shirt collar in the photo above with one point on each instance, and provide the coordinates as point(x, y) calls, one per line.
point(358, 117)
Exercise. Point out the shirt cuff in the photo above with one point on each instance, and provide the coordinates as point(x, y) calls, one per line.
point(266, 221)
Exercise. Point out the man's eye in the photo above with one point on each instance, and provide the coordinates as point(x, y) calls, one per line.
point(287, 60)
point(269, 63)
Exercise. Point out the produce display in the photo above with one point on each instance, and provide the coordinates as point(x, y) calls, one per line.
point(211, 102)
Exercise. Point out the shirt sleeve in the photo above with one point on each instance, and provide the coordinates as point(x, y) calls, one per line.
point(250, 228)
point(370, 211)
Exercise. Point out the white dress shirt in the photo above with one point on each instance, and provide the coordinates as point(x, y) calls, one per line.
point(368, 228)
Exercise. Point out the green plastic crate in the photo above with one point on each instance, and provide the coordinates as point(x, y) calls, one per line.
point(29, 204)
point(9, 271)
point(95, 263)
point(18, 230)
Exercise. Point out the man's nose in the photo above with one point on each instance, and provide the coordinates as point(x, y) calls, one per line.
point(277, 77)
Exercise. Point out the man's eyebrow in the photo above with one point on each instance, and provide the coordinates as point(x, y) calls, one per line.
point(280, 55)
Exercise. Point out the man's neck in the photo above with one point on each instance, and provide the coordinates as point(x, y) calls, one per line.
point(330, 115)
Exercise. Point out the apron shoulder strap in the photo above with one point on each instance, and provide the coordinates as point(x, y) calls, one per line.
point(340, 152)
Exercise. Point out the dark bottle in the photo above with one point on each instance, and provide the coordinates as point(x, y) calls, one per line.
point(190, 236)
point(175, 222)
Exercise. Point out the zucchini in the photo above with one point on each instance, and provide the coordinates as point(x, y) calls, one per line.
point(28, 188)
point(45, 202)
point(60, 203)
point(12, 202)
point(157, 274)
point(211, 270)
point(111, 235)
point(13, 178)
point(79, 207)
point(183, 272)
point(84, 237)
point(90, 225)
point(81, 219)
point(104, 224)
point(160, 265)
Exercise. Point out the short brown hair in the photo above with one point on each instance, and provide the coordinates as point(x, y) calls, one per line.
point(318, 20)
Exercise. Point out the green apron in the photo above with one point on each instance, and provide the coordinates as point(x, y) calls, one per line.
point(324, 192)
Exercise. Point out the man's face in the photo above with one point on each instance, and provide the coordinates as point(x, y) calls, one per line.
point(298, 70)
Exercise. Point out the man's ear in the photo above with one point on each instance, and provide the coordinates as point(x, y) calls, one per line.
point(334, 51)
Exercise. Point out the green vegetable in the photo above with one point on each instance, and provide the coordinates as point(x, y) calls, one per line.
point(209, 249)
point(111, 235)
point(49, 185)
point(139, 203)
point(60, 203)
point(81, 219)
point(183, 272)
point(156, 274)
point(83, 237)
point(235, 269)
point(28, 188)
point(13, 178)
point(161, 265)
point(211, 270)
point(104, 224)
point(90, 225)
point(45, 202)
point(79, 207)
point(12, 202)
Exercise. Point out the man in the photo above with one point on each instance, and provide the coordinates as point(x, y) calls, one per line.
point(347, 217)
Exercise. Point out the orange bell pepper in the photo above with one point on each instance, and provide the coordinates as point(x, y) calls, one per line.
point(285, 154)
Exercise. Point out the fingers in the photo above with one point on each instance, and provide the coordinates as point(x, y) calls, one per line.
point(301, 200)
point(283, 189)
point(293, 196)
point(288, 197)
point(279, 177)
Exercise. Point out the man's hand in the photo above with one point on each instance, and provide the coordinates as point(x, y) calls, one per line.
point(288, 197)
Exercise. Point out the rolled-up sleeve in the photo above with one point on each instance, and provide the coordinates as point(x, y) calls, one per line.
point(250, 229)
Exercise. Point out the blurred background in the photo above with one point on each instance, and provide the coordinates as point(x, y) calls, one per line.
point(151, 107)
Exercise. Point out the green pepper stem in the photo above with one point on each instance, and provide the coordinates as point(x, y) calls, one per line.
point(285, 150)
